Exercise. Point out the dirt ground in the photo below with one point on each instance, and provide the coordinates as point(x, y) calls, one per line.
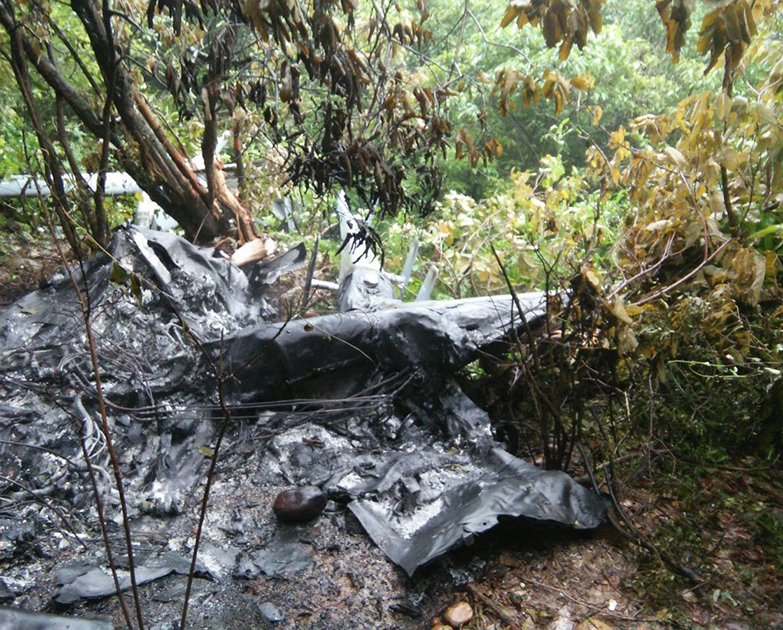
point(520, 575)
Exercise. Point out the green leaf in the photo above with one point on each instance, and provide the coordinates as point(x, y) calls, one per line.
point(206, 451)
point(770, 229)
point(118, 274)
point(135, 285)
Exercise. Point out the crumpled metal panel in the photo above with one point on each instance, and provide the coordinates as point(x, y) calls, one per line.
point(509, 487)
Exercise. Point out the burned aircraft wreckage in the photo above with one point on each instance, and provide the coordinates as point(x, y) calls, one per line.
point(360, 404)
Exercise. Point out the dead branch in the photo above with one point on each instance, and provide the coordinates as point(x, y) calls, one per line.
point(685, 278)
point(93, 481)
point(497, 611)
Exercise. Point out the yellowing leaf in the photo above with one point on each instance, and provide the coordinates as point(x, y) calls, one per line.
point(597, 113)
point(675, 15)
point(647, 351)
point(579, 83)
point(767, 114)
point(772, 263)
point(565, 48)
point(730, 158)
point(677, 157)
point(632, 310)
point(206, 451)
point(723, 104)
point(626, 341)
point(583, 81)
point(511, 13)
point(593, 278)
point(758, 278)
point(618, 310)
point(616, 138)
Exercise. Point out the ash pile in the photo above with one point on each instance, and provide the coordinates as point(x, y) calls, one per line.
point(387, 463)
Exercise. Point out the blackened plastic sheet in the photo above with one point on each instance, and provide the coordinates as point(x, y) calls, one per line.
point(427, 482)
point(142, 297)
point(421, 471)
point(149, 296)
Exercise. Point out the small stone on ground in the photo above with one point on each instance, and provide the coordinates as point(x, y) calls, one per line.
point(459, 614)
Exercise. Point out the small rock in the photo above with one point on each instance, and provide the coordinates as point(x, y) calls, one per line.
point(459, 614)
point(299, 504)
point(563, 621)
point(271, 612)
point(441, 627)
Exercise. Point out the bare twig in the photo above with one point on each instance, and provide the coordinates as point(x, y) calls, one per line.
point(685, 278)
point(101, 226)
point(724, 184)
point(497, 611)
point(530, 341)
point(104, 531)
point(85, 306)
point(210, 478)
point(222, 379)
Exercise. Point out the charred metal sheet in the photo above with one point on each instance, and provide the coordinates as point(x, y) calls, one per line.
point(509, 487)
point(12, 619)
point(89, 582)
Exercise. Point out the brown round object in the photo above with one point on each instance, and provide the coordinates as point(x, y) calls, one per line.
point(298, 505)
point(459, 614)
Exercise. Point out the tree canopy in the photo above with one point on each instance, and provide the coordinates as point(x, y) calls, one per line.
point(370, 97)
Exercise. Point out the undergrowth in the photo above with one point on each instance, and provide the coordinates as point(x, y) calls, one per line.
point(671, 403)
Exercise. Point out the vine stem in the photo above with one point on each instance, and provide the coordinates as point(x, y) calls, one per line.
point(210, 478)
point(685, 278)
point(84, 304)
